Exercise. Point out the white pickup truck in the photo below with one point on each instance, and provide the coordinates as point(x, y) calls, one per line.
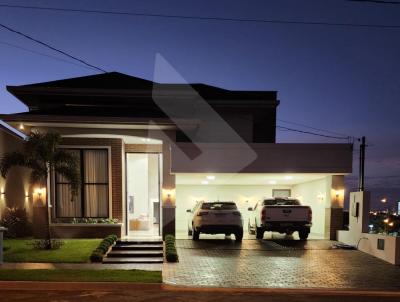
point(283, 215)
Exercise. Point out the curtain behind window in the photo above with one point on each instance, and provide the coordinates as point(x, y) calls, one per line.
point(65, 207)
point(95, 183)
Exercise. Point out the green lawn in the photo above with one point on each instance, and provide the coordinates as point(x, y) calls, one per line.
point(73, 251)
point(81, 275)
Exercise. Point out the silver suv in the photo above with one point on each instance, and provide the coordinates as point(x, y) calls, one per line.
point(217, 217)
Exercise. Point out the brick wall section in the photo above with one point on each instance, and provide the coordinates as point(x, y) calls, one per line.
point(142, 148)
point(116, 167)
point(336, 222)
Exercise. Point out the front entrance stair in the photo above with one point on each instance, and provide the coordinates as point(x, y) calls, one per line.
point(135, 251)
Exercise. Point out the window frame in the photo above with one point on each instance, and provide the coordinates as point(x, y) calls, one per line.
point(83, 184)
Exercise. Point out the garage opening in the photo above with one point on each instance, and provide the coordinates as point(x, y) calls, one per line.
point(320, 191)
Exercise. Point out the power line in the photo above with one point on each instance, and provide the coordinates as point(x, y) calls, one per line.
point(313, 133)
point(376, 1)
point(43, 54)
point(50, 47)
point(202, 18)
point(313, 128)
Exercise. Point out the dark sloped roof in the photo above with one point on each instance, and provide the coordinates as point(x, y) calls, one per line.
point(118, 94)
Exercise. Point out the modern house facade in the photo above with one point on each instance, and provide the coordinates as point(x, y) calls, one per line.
point(150, 151)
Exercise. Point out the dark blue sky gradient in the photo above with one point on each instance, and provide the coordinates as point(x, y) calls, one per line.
point(340, 78)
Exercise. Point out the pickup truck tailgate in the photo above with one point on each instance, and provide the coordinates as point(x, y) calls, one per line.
point(287, 213)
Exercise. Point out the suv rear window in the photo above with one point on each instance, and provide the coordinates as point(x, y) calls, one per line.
point(219, 206)
point(281, 202)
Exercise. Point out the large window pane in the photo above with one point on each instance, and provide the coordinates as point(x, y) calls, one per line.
point(96, 200)
point(66, 207)
point(92, 199)
point(95, 183)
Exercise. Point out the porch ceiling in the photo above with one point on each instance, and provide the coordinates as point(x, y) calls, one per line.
point(247, 178)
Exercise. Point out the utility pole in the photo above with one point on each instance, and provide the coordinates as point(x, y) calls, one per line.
point(361, 175)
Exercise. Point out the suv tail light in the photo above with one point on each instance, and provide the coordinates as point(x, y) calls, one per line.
point(237, 213)
point(309, 215)
point(202, 213)
point(263, 213)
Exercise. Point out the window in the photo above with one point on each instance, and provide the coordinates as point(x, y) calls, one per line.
point(219, 206)
point(281, 202)
point(92, 199)
point(281, 193)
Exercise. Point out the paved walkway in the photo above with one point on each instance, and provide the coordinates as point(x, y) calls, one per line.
point(278, 264)
point(88, 266)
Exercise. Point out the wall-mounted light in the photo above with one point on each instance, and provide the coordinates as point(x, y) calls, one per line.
point(21, 127)
point(384, 200)
point(40, 194)
point(168, 197)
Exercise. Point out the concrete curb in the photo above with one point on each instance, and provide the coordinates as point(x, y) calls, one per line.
point(118, 286)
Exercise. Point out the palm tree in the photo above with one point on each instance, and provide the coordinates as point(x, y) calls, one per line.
point(41, 154)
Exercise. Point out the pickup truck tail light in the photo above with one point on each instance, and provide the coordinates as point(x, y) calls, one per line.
point(237, 213)
point(309, 215)
point(263, 213)
point(202, 213)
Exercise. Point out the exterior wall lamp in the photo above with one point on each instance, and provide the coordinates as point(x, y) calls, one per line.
point(168, 197)
point(40, 194)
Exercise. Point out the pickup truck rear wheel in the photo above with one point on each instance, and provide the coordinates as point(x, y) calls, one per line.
point(259, 233)
point(303, 234)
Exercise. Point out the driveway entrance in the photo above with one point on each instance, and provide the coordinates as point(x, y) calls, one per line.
point(277, 263)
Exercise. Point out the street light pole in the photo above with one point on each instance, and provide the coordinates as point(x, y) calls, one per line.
point(361, 176)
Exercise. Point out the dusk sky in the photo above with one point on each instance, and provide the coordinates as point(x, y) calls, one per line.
point(340, 78)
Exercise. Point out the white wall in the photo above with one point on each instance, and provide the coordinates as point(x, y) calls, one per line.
point(313, 194)
point(244, 196)
point(357, 234)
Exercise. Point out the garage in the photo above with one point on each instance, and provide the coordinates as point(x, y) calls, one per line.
point(323, 192)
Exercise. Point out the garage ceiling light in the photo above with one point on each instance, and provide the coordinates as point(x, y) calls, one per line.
point(210, 177)
point(204, 182)
point(272, 182)
point(288, 177)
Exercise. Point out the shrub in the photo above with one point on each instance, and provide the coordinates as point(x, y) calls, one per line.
point(44, 244)
point(171, 253)
point(98, 254)
point(15, 219)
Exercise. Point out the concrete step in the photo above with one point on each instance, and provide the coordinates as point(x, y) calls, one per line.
point(139, 241)
point(126, 260)
point(130, 253)
point(125, 247)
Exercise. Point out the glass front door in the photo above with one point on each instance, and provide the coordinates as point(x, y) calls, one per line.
point(143, 194)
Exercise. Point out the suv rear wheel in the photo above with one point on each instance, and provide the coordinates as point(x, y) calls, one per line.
point(196, 235)
point(239, 235)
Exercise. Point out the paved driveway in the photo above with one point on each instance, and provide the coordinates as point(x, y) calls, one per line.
point(278, 263)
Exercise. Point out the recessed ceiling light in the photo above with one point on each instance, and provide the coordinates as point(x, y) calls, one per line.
point(204, 182)
point(210, 177)
point(272, 182)
point(288, 177)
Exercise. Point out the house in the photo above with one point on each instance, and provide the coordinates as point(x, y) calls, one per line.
point(150, 151)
